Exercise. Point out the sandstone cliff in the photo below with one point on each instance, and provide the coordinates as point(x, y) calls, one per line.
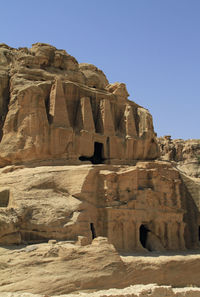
point(52, 108)
point(56, 111)
point(79, 164)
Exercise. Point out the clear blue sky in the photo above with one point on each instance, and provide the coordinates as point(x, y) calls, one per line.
point(151, 45)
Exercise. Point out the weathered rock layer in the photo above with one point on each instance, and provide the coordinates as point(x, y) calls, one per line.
point(185, 154)
point(63, 267)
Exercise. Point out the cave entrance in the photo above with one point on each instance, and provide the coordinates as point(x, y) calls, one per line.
point(143, 235)
point(93, 230)
point(98, 153)
point(97, 157)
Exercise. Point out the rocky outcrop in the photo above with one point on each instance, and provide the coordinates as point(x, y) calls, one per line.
point(54, 110)
point(185, 156)
point(57, 268)
point(184, 153)
point(150, 290)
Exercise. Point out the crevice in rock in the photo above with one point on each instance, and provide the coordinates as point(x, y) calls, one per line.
point(92, 228)
point(4, 102)
point(199, 233)
point(47, 107)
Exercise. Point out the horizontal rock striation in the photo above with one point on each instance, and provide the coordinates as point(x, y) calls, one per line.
point(53, 269)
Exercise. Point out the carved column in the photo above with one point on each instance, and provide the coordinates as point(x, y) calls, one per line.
point(58, 108)
point(107, 118)
point(129, 122)
point(169, 235)
point(87, 117)
point(137, 235)
point(127, 235)
point(181, 235)
point(178, 201)
point(134, 234)
point(156, 228)
point(175, 235)
point(162, 232)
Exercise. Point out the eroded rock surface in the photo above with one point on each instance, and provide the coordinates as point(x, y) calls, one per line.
point(53, 109)
point(56, 118)
point(63, 267)
point(136, 207)
point(185, 154)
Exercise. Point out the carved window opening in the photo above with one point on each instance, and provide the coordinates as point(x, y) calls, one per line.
point(4, 198)
point(93, 230)
point(97, 157)
point(143, 235)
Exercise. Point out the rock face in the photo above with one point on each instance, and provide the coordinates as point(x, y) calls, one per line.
point(150, 290)
point(52, 108)
point(55, 111)
point(136, 207)
point(185, 154)
point(63, 267)
point(79, 179)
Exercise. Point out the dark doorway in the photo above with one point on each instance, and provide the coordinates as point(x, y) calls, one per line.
point(143, 235)
point(97, 158)
point(199, 233)
point(93, 230)
point(98, 153)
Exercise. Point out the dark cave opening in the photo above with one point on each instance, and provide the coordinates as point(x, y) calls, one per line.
point(93, 230)
point(98, 153)
point(97, 157)
point(143, 235)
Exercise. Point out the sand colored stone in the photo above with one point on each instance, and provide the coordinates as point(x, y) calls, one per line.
point(55, 110)
point(185, 154)
point(85, 203)
point(64, 267)
point(150, 290)
point(136, 207)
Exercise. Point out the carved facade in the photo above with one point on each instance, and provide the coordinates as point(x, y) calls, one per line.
point(142, 207)
point(65, 111)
